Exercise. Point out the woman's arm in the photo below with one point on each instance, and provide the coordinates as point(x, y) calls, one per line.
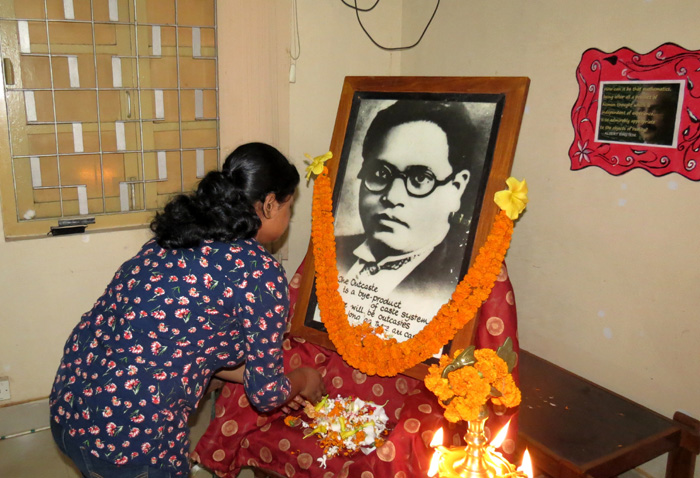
point(231, 375)
point(306, 383)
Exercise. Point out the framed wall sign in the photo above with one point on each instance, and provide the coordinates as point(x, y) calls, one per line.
point(417, 162)
point(638, 111)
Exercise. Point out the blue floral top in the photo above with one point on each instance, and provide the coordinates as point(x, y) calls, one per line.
point(139, 361)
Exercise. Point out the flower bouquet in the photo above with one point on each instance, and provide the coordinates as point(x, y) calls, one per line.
point(464, 384)
point(343, 425)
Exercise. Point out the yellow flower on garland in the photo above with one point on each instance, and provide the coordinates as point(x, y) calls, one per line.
point(514, 199)
point(315, 167)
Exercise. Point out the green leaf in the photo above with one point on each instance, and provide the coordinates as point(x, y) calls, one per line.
point(506, 352)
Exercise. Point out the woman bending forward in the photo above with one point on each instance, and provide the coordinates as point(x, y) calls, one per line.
point(203, 295)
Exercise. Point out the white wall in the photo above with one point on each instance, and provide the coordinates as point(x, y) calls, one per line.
point(46, 284)
point(332, 47)
point(605, 269)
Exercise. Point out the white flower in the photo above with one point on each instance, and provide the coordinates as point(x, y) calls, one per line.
point(357, 405)
point(332, 451)
point(350, 416)
point(583, 152)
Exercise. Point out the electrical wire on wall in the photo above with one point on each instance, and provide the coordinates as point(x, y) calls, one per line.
point(295, 50)
point(357, 14)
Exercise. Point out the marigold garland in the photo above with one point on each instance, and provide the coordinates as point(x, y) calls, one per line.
point(359, 345)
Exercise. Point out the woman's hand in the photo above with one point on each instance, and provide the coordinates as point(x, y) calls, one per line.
point(308, 383)
point(295, 404)
point(315, 389)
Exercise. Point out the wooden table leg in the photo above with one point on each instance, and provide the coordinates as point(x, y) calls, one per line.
point(681, 461)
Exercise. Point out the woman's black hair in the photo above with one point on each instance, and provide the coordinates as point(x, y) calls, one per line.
point(223, 206)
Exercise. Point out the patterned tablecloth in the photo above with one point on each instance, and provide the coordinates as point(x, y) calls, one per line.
point(238, 436)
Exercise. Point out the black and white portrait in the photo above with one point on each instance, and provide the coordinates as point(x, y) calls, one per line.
point(640, 113)
point(409, 189)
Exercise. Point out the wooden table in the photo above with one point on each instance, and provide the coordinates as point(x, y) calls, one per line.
point(575, 428)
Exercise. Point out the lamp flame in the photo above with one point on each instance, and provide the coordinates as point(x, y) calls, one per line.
point(478, 458)
point(526, 466)
point(500, 436)
point(435, 460)
point(434, 463)
point(437, 438)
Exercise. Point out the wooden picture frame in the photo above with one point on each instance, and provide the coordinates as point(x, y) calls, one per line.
point(457, 202)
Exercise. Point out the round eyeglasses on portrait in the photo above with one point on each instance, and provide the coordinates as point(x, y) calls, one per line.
point(418, 180)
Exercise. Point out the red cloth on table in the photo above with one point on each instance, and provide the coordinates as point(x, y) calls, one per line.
point(238, 436)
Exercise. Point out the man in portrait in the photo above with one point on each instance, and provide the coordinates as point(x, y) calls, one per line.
point(655, 108)
point(416, 171)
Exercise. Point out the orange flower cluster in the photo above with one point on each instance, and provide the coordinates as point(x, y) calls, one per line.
point(467, 389)
point(359, 345)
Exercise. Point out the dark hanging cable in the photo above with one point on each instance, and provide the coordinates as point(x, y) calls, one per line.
point(357, 13)
point(360, 9)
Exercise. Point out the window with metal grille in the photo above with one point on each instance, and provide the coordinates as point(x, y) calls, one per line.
point(111, 108)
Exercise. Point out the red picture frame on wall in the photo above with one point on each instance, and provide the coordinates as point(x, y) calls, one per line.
point(638, 111)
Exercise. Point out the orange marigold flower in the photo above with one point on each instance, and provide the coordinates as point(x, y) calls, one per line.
point(291, 421)
point(490, 365)
point(465, 379)
point(462, 409)
point(511, 393)
point(468, 388)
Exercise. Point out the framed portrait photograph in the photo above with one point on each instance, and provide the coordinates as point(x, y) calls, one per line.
point(638, 111)
point(417, 161)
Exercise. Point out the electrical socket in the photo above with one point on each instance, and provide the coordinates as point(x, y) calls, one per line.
point(4, 388)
